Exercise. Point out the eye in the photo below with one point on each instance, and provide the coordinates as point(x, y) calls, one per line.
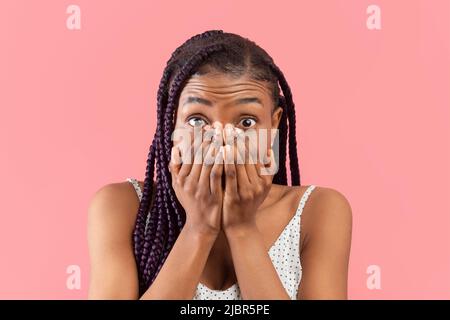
point(196, 122)
point(247, 122)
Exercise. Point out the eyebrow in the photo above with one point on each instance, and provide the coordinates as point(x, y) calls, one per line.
point(193, 99)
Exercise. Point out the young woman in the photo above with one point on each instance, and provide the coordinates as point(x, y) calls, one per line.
point(220, 230)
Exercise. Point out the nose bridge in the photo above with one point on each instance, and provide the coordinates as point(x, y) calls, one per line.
point(222, 113)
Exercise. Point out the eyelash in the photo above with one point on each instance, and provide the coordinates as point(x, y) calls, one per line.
point(245, 118)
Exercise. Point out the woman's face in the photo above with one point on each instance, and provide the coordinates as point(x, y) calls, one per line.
point(216, 99)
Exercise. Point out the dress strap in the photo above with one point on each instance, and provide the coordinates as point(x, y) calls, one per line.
point(136, 186)
point(304, 198)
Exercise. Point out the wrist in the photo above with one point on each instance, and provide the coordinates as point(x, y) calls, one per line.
point(196, 232)
point(241, 230)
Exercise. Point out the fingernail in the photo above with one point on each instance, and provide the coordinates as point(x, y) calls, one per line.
point(270, 155)
point(229, 128)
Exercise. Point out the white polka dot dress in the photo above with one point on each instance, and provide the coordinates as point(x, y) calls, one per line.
point(284, 253)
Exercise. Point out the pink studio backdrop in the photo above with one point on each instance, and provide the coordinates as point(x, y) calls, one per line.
point(78, 111)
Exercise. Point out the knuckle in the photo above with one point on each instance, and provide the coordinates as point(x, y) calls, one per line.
point(214, 174)
point(259, 189)
point(246, 196)
point(183, 174)
point(231, 173)
point(179, 180)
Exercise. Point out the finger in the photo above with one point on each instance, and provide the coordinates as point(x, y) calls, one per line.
point(208, 132)
point(268, 172)
point(187, 160)
point(243, 181)
point(175, 161)
point(252, 164)
point(229, 134)
point(218, 135)
point(216, 172)
point(230, 172)
point(208, 162)
point(198, 160)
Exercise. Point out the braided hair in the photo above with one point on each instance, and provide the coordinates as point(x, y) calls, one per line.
point(160, 216)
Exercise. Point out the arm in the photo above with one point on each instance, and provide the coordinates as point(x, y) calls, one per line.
point(113, 273)
point(180, 274)
point(256, 274)
point(113, 266)
point(325, 253)
point(326, 249)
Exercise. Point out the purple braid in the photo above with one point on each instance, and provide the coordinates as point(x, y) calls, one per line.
point(290, 112)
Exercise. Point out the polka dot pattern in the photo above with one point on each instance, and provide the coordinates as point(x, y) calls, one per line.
point(136, 186)
point(284, 253)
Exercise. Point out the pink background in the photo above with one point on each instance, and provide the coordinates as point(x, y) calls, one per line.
point(78, 111)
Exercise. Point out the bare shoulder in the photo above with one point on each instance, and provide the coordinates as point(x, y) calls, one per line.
point(331, 204)
point(327, 213)
point(114, 206)
point(326, 228)
point(111, 218)
point(325, 200)
point(327, 216)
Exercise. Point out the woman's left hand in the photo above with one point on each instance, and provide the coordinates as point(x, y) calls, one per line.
point(245, 186)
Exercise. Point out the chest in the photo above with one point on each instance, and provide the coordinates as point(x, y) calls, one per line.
point(285, 257)
point(282, 239)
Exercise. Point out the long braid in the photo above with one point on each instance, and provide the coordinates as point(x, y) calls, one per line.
point(146, 227)
point(159, 224)
point(290, 109)
point(144, 205)
point(281, 177)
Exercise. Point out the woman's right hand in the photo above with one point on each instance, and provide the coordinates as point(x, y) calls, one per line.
point(198, 186)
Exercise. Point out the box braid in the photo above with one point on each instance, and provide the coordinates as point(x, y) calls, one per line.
point(160, 216)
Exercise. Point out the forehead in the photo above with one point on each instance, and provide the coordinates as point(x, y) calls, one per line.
point(222, 86)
